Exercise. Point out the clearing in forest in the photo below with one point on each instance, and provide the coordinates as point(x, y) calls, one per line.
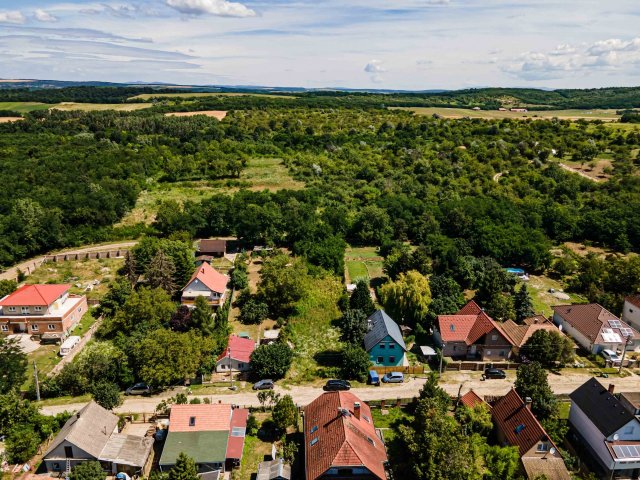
point(148, 96)
point(259, 174)
point(9, 119)
point(219, 114)
point(605, 115)
point(593, 170)
point(92, 107)
point(24, 107)
point(362, 263)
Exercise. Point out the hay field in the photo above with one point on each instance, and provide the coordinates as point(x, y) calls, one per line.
point(219, 114)
point(148, 96)
point(92, 107)
point(23, 107)
point(604, 115)
point(9, 119)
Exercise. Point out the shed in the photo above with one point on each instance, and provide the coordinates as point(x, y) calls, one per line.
point(212, 246)
point(274, 470)
point(127, 453)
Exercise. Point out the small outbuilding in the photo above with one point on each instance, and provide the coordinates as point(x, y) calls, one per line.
point(274, 470)
point(212, 247)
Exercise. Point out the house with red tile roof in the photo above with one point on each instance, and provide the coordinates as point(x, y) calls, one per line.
point(205, 282)
point(471, 400)
point(595, 328)
point(340, 439)
point(517, 426)
point(237, 356)
point(631, 311)
point(472, 334)
point(45, 311)
point(519, 334)
point(212, 434)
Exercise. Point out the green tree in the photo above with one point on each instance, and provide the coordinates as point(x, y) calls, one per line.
point(355, 363)
point(532, 382)
point(14, 365)
point(239, 278)
point(115, 298)
point(87, 471)
point(361, 298)
point(475, 420)
point(184, 469)
point(540, 347)
point(271, 361)
point(7, 287)
point(283, 281)
point(160, 272)
point(144, 310)
point(447, 295)
point(130, 269)
point(107, 394)
point(202, 317)
point(523, 304)
point(253, 312)
point(353, 325)
point(285, 413)
point(502, 463)
point(21, 443)
point(433, 391)
point(408, 298)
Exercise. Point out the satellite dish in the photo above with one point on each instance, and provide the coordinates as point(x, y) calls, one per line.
point(616, 437)
point(552, 451)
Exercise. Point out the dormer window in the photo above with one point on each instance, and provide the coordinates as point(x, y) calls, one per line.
point(452, 328)
point(543, 447)
point(192, 421)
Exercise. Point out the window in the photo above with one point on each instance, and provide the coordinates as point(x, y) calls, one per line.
point(488, 352)
point(367, 419)
point(12, 309)
point(223, 367)
point(494, 338)
point(25, 309)
point(56, 466)
point(4, 328)
point(68, 452)
point(392, 359)
point(240, 365)
point(502, 353)
point(37, 309)
point(313, 442)
point(382, 346)
point(192, 421)
point(628, 430)
point(370, 440)
point(392, 345)
point(452, 328)
point(79, 309)
point(51, 326)
point(314, 429)
point(543, 447)
point(519, 428)
point(34, 327)
point(380, 359)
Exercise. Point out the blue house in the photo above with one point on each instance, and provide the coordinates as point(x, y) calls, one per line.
point(383, 342)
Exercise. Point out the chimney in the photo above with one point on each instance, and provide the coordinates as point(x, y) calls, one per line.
point(611, 388)
point(527, 403)
point(356, 410)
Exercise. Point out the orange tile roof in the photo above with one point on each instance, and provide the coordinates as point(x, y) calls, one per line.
point(470, 308)
point(519, 334)
point(208, 417)
point(469, 325)
point(35, 295)
point(634, 299)
point(518, 424)
point(342, 439)
point(211, 278)
point(471, 399)
point(241, 349)
point(456, 328)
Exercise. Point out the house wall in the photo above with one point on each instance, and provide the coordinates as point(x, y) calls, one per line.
point(388, 351)
point(193, 290)
point(455, 349)
point(631, 315)
point(61, 324)
point(534, 452)
point(58, 456)
point(582, 340)
point(630, 432)
point(223, 365)
point(496, 347)
point(356, 472)
point(591, 436)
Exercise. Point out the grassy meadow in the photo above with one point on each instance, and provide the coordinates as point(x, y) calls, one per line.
point(605, 115)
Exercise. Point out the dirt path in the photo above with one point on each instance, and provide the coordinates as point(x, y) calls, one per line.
point(582, 174)
point(303, 395)
point(29, 265)
point(496, 177)
point(83, 341)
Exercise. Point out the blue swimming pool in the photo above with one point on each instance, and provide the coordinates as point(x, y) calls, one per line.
point(516, 271)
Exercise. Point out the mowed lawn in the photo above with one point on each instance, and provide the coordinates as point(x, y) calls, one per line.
point(260, 174)
point(543, 300)
point(362, 263)
point(23, 107)
point(605, 115)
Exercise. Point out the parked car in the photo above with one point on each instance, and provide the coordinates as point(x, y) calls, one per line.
point(611, 356)
point(138, 389)
point(393, 377)
point(333, 385)
point(374, 378)
point(264, 385)
point(494, 373)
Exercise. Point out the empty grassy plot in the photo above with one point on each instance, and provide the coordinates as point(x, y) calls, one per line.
point(219, 114)
point(605, 115)
point(598, 170)
point(23, 107)
point(543, 299)
point(149, 96)
point(259, 174)
point(93, 107)
point(362, 263)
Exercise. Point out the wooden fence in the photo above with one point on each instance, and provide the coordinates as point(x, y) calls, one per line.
point(480, 366)
point(409, 370)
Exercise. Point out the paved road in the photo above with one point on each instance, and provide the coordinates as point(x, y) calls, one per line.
point(303, 395)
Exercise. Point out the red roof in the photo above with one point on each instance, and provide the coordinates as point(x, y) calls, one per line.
point(235, 444)
point(591, 319)
point(208, 417)
point(210, 277)
point(469, 325)
point(35, 295)
point(518, 424)
point(335, 437)
point(634, 299)
point(471, 399)
point(241, 349)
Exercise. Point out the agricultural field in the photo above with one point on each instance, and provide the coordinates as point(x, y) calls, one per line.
point(148, 96)
point(24, 107)
point(362, 263)
point(260, 174)
point(605, 115)
point(81, 274)
point(219, 114)
point(95, 107)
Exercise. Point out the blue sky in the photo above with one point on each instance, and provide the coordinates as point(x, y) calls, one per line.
point(403, 44)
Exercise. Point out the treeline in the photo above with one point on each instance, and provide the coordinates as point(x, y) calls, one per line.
point(73, 94)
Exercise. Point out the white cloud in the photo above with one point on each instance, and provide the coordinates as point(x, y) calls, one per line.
point(43, 16)
point(374, 66)
point(11, 17)
point(221, 8)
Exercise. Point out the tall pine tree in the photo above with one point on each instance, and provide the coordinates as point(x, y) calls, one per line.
point(523, 304)
point(160, 272)
point(184, 469)
point(202, 317)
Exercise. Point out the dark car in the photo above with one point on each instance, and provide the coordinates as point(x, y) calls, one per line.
point(138, 389)
point(263, 385)
point(494, 373)
point(333, 385)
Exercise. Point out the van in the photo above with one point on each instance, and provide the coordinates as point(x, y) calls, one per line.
point(374, 378)
point(68, 345)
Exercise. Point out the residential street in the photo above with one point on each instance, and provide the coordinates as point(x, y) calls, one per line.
point(302, 395)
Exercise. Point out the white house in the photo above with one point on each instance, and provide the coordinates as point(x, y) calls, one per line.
point(237, 356)
point(607, 428)
point(631, 311)
point(595, 328)
point(205, 282)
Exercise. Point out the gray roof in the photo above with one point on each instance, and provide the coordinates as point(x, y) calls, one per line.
point(89, 429)
point(130, 450)
point(274, 470)
point(381, 326)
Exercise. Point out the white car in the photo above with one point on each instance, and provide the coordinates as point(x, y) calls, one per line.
point(611, 356)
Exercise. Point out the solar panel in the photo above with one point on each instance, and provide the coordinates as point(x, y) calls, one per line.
point(626, 332)
point(615, 323)
point(238, 431)
point(607, 331)
point(626, 451)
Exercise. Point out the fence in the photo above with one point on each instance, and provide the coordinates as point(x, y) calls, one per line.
point(67, 358)
point(409, 370)
point(480, 366)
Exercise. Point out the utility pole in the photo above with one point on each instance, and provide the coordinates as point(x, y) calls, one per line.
point(35, 376)
point(441, 355)
point(230, 367)
point(624, 351)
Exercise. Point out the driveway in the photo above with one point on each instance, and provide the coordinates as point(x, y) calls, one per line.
point(24, 342)
point(452, 383)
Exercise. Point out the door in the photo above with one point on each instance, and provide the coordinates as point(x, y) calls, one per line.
point(68, 452)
